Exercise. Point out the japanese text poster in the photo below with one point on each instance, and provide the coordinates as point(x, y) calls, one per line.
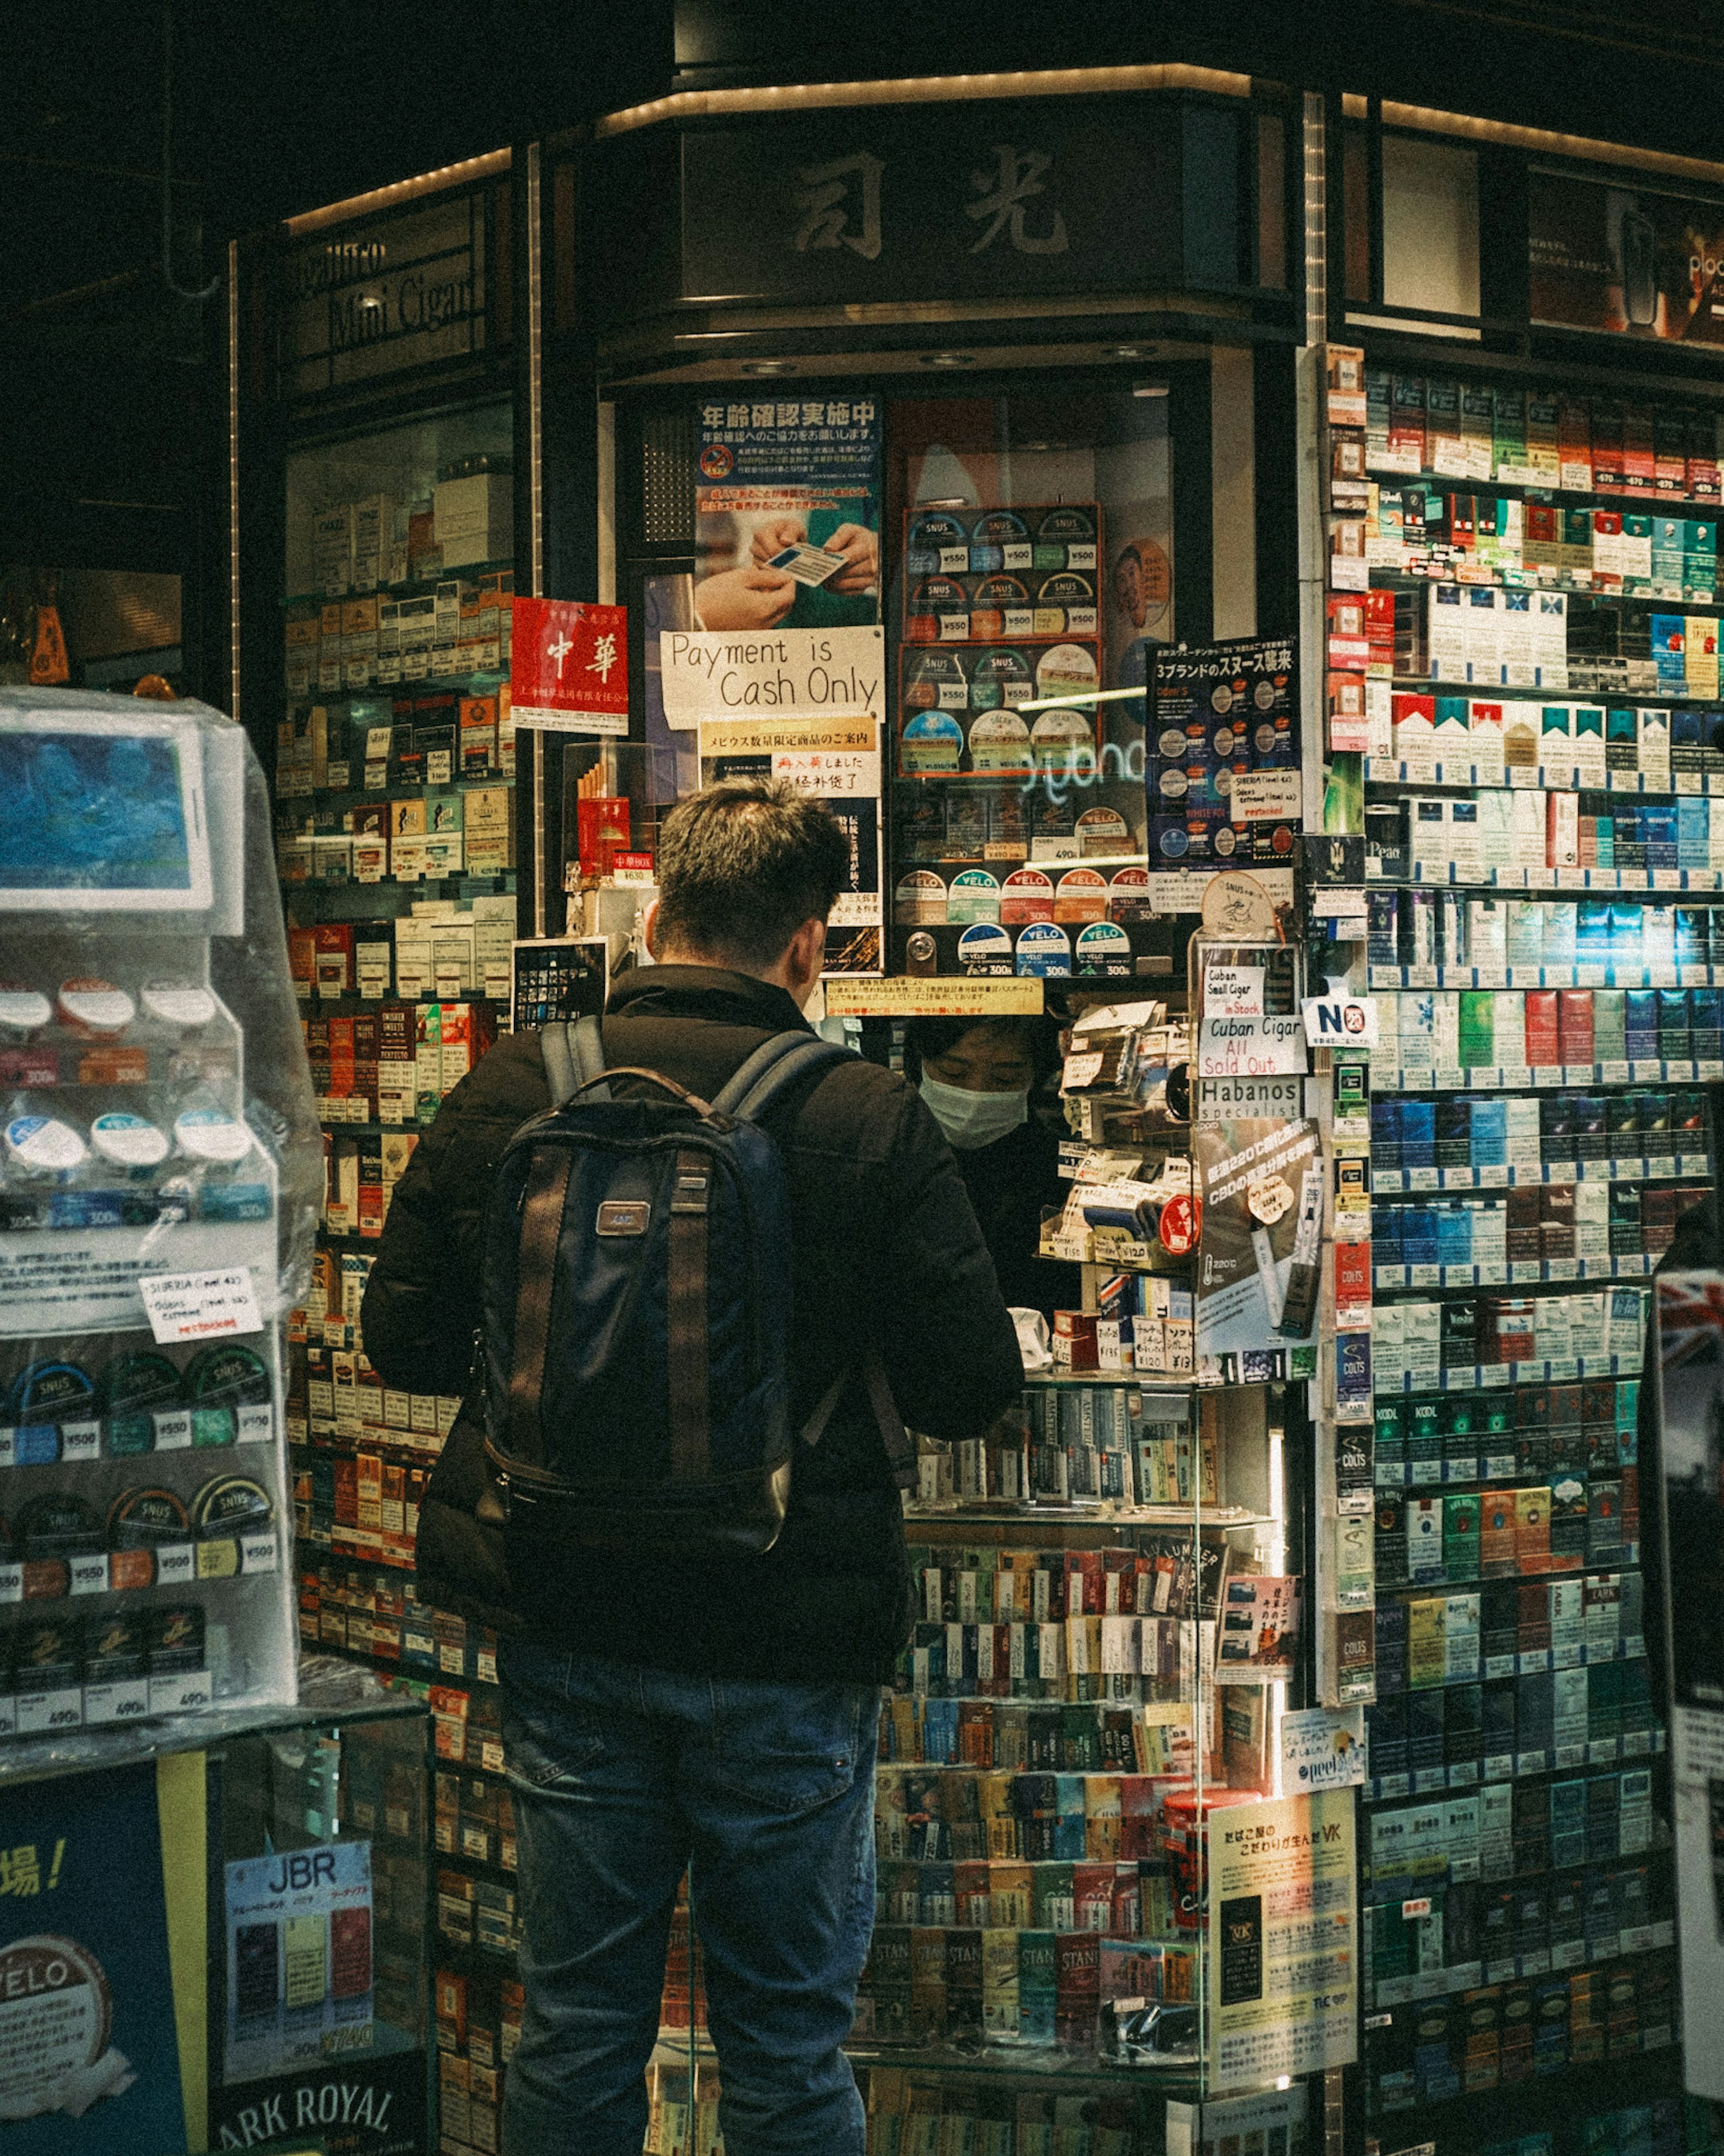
point(787, 513)
point(1258, 1257)
point(1283, 1916)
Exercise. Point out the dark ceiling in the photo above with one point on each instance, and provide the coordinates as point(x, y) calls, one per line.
point(281, 105)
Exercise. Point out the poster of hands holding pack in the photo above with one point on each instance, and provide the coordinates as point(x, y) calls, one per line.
point(1260, 1163)
point(161, 1166)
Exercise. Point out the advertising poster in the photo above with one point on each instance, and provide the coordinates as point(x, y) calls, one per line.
point(787, 513)
point(569, 668)
point(1259, 1638)
point(1283, 1966)
point(1691, 1586)
point(1258, 1257)
point(1697, 1755)
point(1633, 261)
point(299, 1927)
point(360, 2105)
point(1222, 775)
point(103, 2005)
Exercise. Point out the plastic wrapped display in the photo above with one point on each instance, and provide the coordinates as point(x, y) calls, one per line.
point(157, 1121)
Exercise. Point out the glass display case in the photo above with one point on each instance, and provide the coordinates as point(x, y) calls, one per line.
point(321, 1958)
point(154, 1211)
point(1030, 542)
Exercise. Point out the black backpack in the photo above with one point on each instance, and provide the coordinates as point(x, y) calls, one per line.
point(636, 1306)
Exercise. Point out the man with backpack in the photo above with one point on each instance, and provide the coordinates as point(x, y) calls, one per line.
point(708, 1282)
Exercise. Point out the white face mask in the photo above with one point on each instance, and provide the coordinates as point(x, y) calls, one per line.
point(971, 1120)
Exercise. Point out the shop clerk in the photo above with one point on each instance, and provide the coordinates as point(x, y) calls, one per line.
point(976, 1078)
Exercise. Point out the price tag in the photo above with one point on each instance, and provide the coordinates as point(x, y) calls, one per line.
point(80, 1440)
point(176, 1564)
point(181, 1693)
point(258, 1552)
point(200, 1306)
point(128, 1701)
point(40, 1713)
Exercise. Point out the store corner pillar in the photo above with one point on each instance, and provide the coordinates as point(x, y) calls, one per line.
point(561, 516)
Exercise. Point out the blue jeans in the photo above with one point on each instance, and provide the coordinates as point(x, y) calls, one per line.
point(623, 1779)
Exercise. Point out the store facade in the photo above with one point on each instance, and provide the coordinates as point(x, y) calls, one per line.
point(980, 449)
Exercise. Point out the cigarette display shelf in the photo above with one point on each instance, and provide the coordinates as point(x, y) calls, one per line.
point(1637, 1266)
point(1510, 1175)
point(1406, 576)
point(1630, 1751)
point(382, 901)
point(1473, 1976)
point(408, 588)
point(1475, 1377)
point(1101, 1513)
point(1577, 1655)
point(1536, 487)
point(403, 789)
point(1541, 778)
point(1450, 876)
point(1509, 1078)
point(1616, 692)
point(1521, 2105)
point(1546, 977)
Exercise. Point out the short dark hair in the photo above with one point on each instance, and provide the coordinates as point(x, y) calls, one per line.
point(742, 865)
point(926, 1040)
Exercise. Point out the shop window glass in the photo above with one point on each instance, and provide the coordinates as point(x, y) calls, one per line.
point(1271, 202)
point(1030, 542)
point(1356, 209)
point(1430, 226)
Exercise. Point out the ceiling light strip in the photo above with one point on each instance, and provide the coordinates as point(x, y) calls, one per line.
point(923, 89)
point(382, 199)
point(1540, 142)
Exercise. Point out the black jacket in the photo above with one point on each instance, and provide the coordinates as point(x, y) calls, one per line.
point(885, 1249)
point(1011, 1184)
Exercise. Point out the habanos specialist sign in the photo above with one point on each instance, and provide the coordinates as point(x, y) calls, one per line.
point(569, 673)
point(1283, 1919)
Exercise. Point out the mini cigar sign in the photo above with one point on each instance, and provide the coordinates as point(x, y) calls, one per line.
point(569, 671)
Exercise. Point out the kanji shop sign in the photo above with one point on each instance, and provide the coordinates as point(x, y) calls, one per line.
point(569, 671)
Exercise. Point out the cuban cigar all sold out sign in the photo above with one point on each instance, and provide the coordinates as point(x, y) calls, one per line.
point(569, 670)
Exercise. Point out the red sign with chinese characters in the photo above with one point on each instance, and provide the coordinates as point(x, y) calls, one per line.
point(569, 673)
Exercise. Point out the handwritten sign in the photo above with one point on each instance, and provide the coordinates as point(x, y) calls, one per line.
point(1234, 990)
point(1249, 1045)
point(200, 1306)
point(710, 674)
point(830, 770)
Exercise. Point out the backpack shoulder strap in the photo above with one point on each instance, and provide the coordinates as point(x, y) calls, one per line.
point(574, 1056)
point(900, 1445)
point(776, 1065)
